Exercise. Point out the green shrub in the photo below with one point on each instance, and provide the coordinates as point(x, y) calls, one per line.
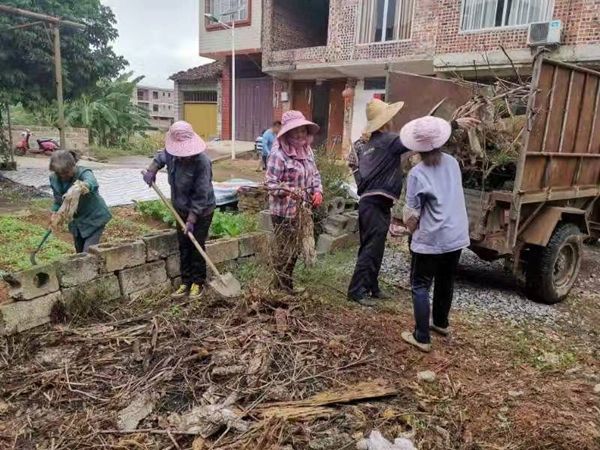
point(334, 172)
point(223, 224)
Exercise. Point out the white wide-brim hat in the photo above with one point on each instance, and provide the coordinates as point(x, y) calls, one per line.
point(425, 134)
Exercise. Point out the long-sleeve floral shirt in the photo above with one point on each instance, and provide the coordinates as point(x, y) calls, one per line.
point(283, 173)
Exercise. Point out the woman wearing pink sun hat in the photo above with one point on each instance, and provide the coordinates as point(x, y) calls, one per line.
point(291, 168)
point(192, 195)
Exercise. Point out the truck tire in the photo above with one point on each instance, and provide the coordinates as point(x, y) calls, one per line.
point(552, 270)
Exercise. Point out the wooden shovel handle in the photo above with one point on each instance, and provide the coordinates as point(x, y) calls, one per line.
point(182, 225)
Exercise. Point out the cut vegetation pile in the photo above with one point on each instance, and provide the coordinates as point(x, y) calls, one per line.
point(489, 153)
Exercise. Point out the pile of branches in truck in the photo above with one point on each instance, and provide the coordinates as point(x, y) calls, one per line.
point(488, 154)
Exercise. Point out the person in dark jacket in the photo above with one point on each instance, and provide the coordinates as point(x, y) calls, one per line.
point(192, 195)
point(378, 173)
point(92, 214)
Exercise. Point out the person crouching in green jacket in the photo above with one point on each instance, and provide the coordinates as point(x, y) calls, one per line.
point(92, 214)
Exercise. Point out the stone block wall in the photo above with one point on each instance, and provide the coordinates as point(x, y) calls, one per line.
point(77, 138)
point(129, 270)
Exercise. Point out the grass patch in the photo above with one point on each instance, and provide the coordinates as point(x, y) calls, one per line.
point(141, 145)
point(120, 228)
point(19, 238)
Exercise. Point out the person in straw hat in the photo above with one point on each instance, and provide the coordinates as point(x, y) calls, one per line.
point(378, 176)
point(291, 175)
point(436, 215)
point(190, 177)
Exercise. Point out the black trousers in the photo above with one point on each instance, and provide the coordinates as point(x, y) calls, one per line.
point(193, 266)
point(285, 251)
point(425, 269)
point(374, 218)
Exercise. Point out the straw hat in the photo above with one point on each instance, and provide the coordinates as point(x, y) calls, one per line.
point(379, 113)
point(181, 141)
point(295, 119)
point(425, 134)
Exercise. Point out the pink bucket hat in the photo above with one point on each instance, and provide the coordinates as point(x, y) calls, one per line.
point(295, 119)
point(425, 134)
point(181, 141)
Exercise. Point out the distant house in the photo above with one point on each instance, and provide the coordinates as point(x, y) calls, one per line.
point(198, 98)
point(160, 104)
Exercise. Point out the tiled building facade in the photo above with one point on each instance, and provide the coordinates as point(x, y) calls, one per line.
point(434, 39)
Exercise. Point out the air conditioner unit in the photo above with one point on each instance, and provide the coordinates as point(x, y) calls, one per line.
point(544, 33)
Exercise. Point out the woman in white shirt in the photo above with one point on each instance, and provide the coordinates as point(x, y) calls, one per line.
point(436, 215)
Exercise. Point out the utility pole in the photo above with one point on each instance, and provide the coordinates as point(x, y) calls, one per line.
point(55, 24)
point(59, 86)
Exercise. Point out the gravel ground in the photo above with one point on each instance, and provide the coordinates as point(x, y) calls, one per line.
point(485, 289)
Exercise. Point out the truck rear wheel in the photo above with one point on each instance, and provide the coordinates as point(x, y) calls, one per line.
point(552, 270)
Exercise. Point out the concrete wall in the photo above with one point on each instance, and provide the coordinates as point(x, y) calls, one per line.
point(162, 110)
point(128, 270)
point(359, 117)
point(217, 41)
point(77, 138)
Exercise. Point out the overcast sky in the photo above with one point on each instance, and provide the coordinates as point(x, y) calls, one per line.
point(157, 37)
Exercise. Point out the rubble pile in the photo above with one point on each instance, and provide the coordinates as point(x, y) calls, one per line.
point(257, 373)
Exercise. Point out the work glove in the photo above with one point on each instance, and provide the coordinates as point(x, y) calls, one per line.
point(149, 177)
point(189, 227)
point(317, 199)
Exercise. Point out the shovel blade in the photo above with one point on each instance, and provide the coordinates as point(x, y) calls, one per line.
point(226, 285)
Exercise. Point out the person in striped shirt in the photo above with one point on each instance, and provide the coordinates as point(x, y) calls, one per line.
point(292, 177)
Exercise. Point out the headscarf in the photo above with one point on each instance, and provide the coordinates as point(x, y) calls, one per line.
point(296, 148)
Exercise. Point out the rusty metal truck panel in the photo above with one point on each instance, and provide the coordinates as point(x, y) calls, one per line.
point(561, 157)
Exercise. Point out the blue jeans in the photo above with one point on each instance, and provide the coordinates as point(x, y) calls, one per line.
point(425, 269)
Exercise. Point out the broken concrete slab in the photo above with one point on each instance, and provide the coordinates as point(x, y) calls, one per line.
point(352, 224)
point(129, 418)
point(163, 288)
point(327, 243)
point(120, 255)
point(32, 283)
point(222, 250)
point(24, 315)
point(160, 244)
point(264, 221)
point(173, 266)
point(141, 277)
point(77, 269)
point(253, 244)
point(335, 225)
point(101, 289)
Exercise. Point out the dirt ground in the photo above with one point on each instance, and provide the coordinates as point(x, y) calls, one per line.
point(497, 384)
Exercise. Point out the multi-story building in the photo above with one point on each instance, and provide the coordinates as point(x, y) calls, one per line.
point(254, 89)
point(330, 57)
point(160, 104)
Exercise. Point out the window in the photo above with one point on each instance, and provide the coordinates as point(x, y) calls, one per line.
point(482, 14)
point(200, 97)
point(169, 95)
point(375, 84)
point(229, 10)
point(140, 94)
point(386, 20)
point(155, 95)
point(155, 108)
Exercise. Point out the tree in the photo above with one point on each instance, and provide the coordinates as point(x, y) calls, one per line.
point(26, 54)
point(108, 112)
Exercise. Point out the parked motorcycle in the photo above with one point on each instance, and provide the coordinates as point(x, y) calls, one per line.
point(45, 145)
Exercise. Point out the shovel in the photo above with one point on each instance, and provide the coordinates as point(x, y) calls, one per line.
point(224, 284)
point(39, 247)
